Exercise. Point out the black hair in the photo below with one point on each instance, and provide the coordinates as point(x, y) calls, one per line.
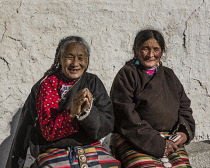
point(147, 34)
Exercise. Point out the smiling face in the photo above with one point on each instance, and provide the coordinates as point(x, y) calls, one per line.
point(149, 53)
point(74, 60)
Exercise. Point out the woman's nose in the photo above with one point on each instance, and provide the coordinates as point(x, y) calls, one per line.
point(75, 62)
point(151, 53)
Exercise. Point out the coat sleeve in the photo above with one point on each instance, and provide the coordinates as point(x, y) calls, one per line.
point(100, 121)
point(128, 122)
point(186, 122)
point(20, 144)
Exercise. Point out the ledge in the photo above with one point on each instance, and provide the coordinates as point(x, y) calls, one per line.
point(199, 154)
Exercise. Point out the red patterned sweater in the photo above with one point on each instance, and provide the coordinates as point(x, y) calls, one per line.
point(54, 125)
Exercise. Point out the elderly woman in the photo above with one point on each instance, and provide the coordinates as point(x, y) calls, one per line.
point(66, 114)
point(150, 105)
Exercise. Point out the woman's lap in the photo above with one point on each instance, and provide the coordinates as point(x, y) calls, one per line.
point(96, 157)
point(130, 158)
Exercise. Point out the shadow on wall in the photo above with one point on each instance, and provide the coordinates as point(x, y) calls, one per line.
point(6, 144)
point(206, 141)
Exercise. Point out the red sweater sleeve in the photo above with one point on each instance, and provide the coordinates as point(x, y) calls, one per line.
point(54, 125)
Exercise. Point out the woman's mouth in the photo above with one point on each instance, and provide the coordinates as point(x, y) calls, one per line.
point(74, 70)
point(150, 60)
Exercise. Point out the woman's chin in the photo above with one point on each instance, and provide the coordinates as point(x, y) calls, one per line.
point(150, 64)
point(73, 76)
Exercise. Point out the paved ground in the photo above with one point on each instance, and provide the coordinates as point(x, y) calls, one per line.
point(199, 153)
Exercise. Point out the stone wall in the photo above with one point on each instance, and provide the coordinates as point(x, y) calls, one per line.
point(30, 31)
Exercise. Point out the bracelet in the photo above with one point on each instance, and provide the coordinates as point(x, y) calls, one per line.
point(80, 114)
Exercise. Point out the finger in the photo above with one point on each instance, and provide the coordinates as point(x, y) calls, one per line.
point(166, 152)
point(81, 93)
point(183, 138)
point(74, 111)
point(174, 146)
point(79, 102)
point(170, 149)
point(86, 105)
point(79, 96)
point(180, 142)
point(89, 96)
point(87, 93)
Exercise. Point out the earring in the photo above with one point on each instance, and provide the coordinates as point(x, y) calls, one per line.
point(137, 62)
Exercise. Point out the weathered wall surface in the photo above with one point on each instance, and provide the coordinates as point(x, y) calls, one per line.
point(30, 31)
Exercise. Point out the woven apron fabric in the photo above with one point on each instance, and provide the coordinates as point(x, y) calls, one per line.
point(96, 155)
point(131, 158)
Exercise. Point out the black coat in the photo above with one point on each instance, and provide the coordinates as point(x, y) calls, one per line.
point(98, 124)
point(145, 107)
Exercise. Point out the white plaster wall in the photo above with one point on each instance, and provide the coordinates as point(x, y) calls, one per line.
point(31, 29)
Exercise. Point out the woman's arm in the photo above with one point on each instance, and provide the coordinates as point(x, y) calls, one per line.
point(54, 124)
point(186, 122)
point(100, 120)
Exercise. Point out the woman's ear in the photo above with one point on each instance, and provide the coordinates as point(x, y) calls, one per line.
point(59, 58)
point(161, 54)
point(135, 53)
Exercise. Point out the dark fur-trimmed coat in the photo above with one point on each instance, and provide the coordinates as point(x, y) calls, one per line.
point(98, 124)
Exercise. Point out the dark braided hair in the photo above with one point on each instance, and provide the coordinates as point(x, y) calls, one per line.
point(60, 50)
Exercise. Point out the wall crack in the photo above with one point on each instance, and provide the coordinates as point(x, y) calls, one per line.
point(13, 38)
point(17, 10)
point(5, 29)
point(204, 87)
point(186, 24)
point(5, 61)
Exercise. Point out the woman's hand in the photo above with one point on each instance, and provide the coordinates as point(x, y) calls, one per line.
point(170, 147)
point(88, 100)
point(173, 146)
point(81, 102)
point(181, 140)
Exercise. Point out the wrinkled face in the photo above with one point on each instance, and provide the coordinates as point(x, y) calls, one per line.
point(149, 53)
point(74, 60)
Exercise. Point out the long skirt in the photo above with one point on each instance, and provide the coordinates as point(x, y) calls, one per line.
point(93, 156)
point(130, 158)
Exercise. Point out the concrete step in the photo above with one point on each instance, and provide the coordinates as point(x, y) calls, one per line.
point(199, 154)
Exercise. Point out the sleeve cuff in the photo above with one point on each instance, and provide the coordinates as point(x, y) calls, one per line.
point(84, 114)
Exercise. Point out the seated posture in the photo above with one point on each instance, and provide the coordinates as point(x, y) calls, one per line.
point(66, 114)
point(153, 118)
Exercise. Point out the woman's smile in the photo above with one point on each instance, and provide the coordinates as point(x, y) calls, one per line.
point(149, 53)
point(74, 61)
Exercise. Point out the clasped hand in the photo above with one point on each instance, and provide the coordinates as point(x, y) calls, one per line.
point(80, 102)
point(172, 147)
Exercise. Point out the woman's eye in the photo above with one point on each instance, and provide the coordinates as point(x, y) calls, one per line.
point(145, 48)
point(69, 57)
point(80, 58)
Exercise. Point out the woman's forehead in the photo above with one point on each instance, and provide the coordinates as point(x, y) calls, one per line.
point(75, 47)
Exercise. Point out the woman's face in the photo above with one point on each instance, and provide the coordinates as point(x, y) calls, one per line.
point(149, 53)
point(74, 60)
